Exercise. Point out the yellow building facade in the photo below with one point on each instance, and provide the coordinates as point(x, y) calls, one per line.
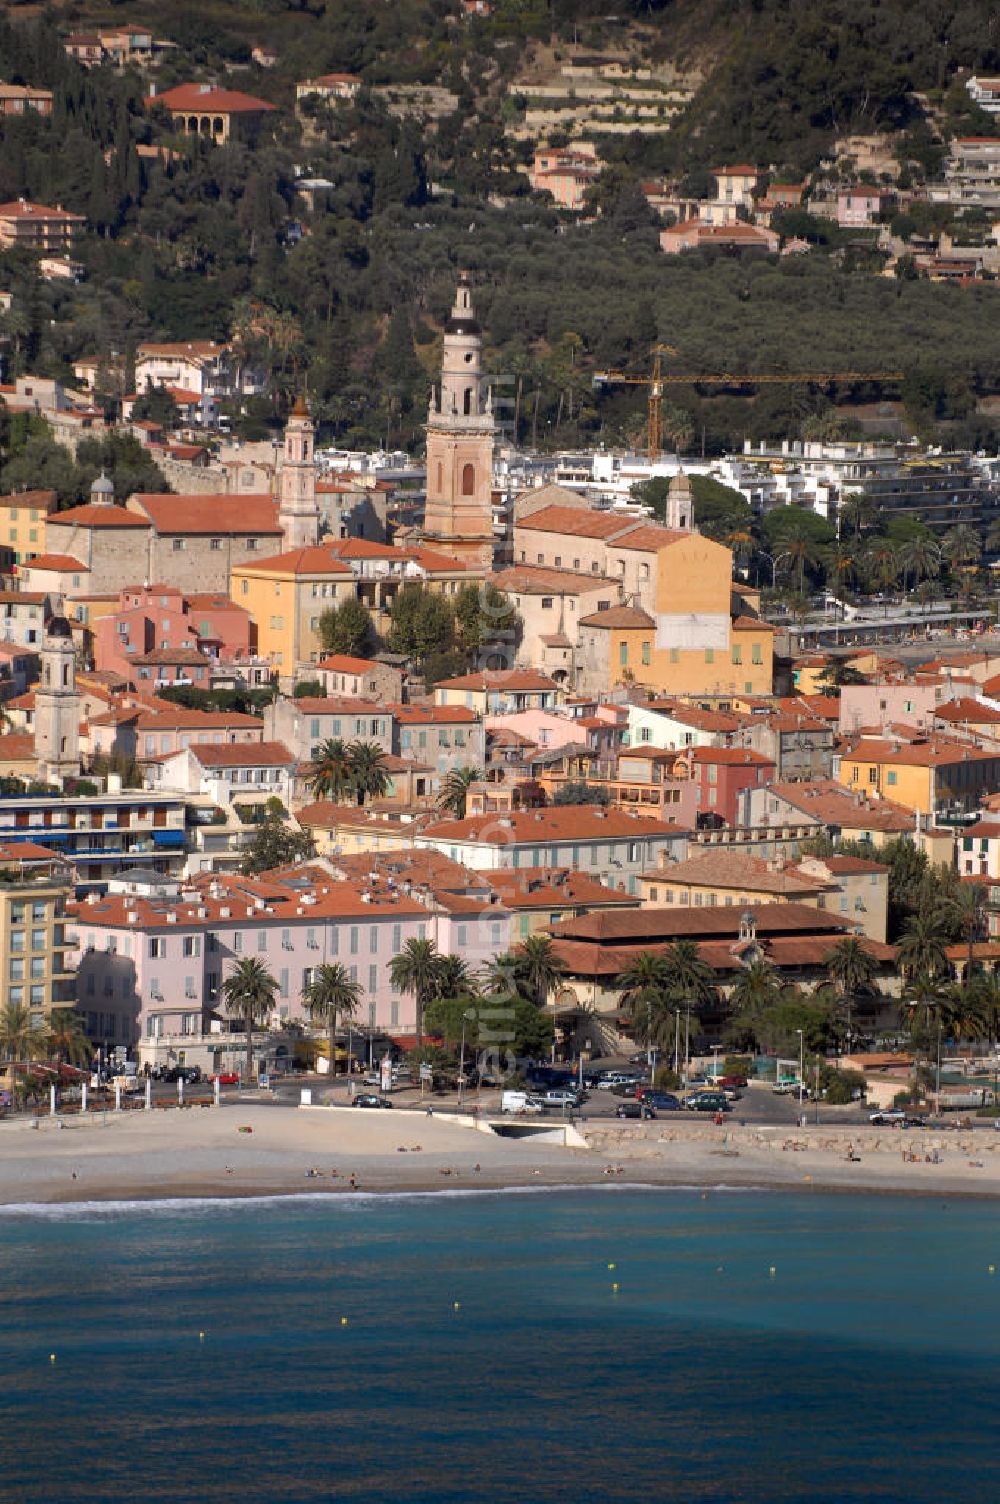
point(286, 597)
point(22, 525)
point(35, 931)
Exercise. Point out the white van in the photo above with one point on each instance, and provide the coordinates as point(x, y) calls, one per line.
point(520, 1101)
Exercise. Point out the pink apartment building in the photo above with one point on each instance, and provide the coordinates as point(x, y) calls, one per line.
point(162, 620)
point(150, 969)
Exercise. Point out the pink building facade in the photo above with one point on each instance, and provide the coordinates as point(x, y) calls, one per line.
point(161, 618)
point(150, 969)
point(868, 705)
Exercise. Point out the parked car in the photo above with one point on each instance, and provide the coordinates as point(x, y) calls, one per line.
point(707, 1101)
point(521, 1101)
point(785, 1085)
point(610, 1080)
point(635, 1110)
point(661, 1101)
point(896, 1117)
point(189, 1074)
point(562, 1096)
point(226, 1078)
point(371, 1099)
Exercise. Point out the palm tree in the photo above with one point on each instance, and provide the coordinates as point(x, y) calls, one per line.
point(688, 975)
point(249, 991)
point(21, 1038)
point(538, 966)
point(921, 558)
point(500, 974)
point(882, 565)
point(968, 906)
point(923, 946)
point(757, 988)
point(67, 1039)
point(800, 553)
point(644, 988)
point(852, 971)
point(857, 512)
point(962, 546)
point(454, 979)
point(330, 996)
point(416, 970)
point(329, 773)
point(368, 775)
point(985, 989)
point(454, 792)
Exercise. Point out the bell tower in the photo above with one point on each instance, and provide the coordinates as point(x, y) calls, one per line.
point(298, 513)
point(57, 705)
point(680, 505)
point(458, 518)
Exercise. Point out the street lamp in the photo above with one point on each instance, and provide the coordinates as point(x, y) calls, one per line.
point(770, 559)
point(715, 1065)
point(802, 1062)
point(469, 1013)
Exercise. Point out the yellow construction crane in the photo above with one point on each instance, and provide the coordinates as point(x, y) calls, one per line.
point(656, 381)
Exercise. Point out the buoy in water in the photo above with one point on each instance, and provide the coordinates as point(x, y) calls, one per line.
point(455, 1306)
point(993, 1269)
point(343, 1320)
point(773, 1271)
point(611, 1266)
point(52, 1357)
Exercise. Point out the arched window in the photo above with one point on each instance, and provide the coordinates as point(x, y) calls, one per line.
point(65, 676)
point(468, 400)
point(468, 480)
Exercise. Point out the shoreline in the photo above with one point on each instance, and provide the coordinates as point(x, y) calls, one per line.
point(247, 1151)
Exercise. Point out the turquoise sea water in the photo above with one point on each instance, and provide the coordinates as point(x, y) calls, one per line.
point(865, 1368)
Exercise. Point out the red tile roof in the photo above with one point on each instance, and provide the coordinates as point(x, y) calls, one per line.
point(205, 97)
point(46, 499)
point(566, 822)
point(242, 755)
point(65, 563)
point(537, 579)
point(731, 756)
point(208, 514)
point(622, 617)
point(576, 522)
point(506, 678)
point(343, 663)
point(20, 208)
point(964, 710)
point(431, 715)
point(334, 705)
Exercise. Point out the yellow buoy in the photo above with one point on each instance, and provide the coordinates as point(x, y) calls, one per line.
point(992, 1268)
point(615, 1288)
point(343, 1320)
point(201, 1336)
point(52, 1357)
point(773, 1271)
point(455, 1306)
point(611, 1266)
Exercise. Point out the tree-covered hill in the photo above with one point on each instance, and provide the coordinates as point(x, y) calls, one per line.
point(349, 290)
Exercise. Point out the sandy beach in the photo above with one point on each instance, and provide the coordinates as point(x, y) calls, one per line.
point(245, 1149)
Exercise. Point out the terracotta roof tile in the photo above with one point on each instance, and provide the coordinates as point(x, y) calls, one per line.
point(242, 755)
point(225, 513)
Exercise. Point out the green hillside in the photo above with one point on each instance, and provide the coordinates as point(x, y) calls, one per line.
point(349, 294)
